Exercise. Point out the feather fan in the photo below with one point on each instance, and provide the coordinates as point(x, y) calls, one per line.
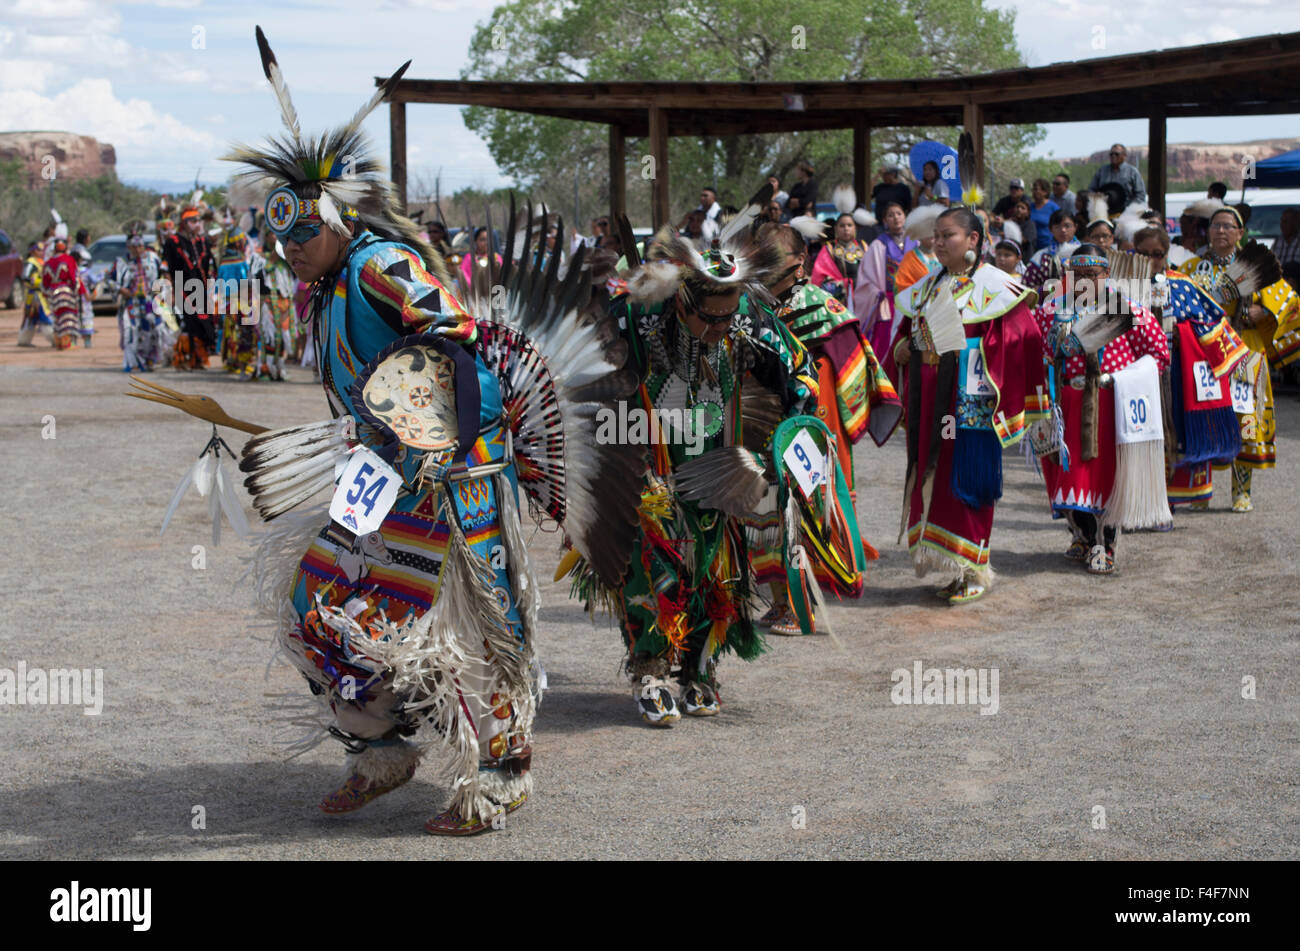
point(728, 479)
point(746, 217)
point(555, 355)
point(286, 467)
point(1253, 269)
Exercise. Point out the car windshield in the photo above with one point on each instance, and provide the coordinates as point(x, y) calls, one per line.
point(107, 250)
point(1266, 219)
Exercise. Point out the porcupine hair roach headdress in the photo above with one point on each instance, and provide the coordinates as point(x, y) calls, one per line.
point(331, 178)
point(740, 258)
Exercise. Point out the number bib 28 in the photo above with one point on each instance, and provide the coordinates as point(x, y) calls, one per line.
point(366, 492)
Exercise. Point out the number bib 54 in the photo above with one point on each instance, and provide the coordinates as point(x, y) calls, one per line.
point(366, 492)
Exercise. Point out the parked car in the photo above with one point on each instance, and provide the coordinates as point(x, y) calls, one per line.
point(11, 269)
point(103, 254)
point(1266, 207)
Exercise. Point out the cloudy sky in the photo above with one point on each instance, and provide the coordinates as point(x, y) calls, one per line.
point(169, 82)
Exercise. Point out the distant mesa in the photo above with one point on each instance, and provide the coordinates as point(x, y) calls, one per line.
point(75, 156)
point(1198, 161)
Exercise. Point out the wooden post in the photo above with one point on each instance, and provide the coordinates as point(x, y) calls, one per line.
point(862, 161)
point(1157, 160)
point(397, 148)
point(617, 176)
point(659, 211)
point(972, 120)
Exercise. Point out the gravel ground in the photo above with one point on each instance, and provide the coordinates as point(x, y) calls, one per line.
point(1123, 693)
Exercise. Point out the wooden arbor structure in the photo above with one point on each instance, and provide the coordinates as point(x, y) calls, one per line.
point(1245, 77)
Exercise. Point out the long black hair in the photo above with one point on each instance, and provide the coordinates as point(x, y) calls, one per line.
point(973, 225)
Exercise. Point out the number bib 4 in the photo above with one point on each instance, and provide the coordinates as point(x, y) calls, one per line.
point(975, 381)
point(366, 492)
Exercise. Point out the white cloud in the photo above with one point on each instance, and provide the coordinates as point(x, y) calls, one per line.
point(67, 38)
point(138, 131)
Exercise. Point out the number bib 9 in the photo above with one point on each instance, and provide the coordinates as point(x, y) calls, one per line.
point(366, 492)
point(805, 462)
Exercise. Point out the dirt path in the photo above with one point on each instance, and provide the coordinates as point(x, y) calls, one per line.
point(1122, 693)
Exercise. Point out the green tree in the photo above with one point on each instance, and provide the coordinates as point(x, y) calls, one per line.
point(726, 41)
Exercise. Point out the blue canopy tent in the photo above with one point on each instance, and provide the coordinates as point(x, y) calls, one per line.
point(1280, 171)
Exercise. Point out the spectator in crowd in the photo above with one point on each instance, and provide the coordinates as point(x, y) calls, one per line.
point(778, 196)
point(1048, 262)
point(477, 267)
point(803, 193)
point(1287, 247)
point(1217, 190)
point(611, 242)
point(1154, 243)
point(1041, 209)
point(890, 191)
point(1101, 233)
point(1081, 210)
point(1122, 174)
point(931, 189)
point(692, 225)
point(709, 202)
point(708, 211)
point(986, 252)
point(599, 228)
point(771, 212)
point(1020, 214)
point(1015, 192)
point(1006, 257)
point(1062, 228)
point(80, 251)
point(1061, 193)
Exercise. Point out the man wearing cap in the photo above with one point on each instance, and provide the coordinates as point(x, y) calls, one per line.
point(1120, 173)
point(1015, 192)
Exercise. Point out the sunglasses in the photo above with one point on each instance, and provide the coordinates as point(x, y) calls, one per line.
point(301, 233)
